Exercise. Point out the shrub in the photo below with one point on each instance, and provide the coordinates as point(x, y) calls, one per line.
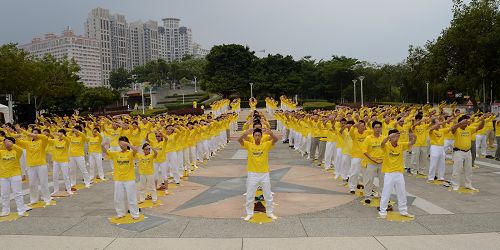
point(308, 106)
point(149, 112)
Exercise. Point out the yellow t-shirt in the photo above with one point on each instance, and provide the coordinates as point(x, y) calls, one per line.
point(258, 156)
point(463, 138)
point(437, 136)
point(10, 162)
point(497, 129)
point(160, 147)
point(123, 165)
point(145, 163)
point(393, 157)
point(76, 147)
point(357, 138)
point(60, 151)
point(114, 135)
point(95, 143)
point(35, 151)
point(373, 147)
point(421, 132)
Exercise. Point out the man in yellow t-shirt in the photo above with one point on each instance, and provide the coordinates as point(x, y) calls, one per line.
point(462, 157)
point(497, 136)
point(393, 168)
point(358, 134)
point(373, 155)
point(10, 176)
point(258, 169)
point(124, 177)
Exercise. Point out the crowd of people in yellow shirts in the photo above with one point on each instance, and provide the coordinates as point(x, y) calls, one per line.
point(162, 148)
point(360, 144)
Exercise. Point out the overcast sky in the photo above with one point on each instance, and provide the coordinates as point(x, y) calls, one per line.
point(377, 31)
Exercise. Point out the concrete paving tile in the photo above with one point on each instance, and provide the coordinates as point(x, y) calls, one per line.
point(321, 227)
point(230, 228)
point(185, 243)
point(312, 243)
point(52, 242)
point(173, 228)
point(38, 226)
point(461, 223)
point(456, 241)
point(97, 226)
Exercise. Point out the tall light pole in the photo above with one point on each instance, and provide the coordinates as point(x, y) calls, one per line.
point(196, 91)
point(354, 81)
point(251, 89)
point(427, 83)
point(361, 78)
point(142, 95)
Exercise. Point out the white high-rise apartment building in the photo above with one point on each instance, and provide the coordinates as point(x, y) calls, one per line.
point(198, 51)
point(177, 41)
point(85, 51)
point(98, 26)
point(144, 40)
point(120, 42)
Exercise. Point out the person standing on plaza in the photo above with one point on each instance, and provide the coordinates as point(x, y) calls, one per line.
point(125, 195)
point(462, 157)
point(393, 168)
point(10, 177)
point(258, 169)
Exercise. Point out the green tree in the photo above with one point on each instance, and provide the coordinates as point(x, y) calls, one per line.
point(120, 78)
point(95, 99)
point(228, 69)
point(17, 70)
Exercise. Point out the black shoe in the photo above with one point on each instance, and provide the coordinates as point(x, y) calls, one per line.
point(435, 178)
point(368, 201)
point(497, 159)
point(353, 192)
point(347, 180)
point(360, 186)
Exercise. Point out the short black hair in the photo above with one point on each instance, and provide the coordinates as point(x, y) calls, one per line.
point(376, 123)
point(78, 127)
point(145, 145)
point(62, 131)
point(350, 123)
point(392, 131)
point(37, 129)
point(12, 139)
point(463, 118)
point(257, 130)
point(418, 117)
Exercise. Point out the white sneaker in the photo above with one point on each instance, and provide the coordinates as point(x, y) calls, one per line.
point(272, 216)
point(455, 188)
point(70, 192)
point(472, 188)
point(248, 217)
point(3, 214)
point(408, 215)
point(383, 216)
point(47, 203)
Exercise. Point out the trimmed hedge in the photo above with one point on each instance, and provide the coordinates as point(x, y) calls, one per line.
point(149, 112)
point(185, 111)
point(309, 106)
point(260, 104)
point(175, 106)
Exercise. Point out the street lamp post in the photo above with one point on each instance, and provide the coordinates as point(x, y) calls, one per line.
point(142, 96)
point(361, 78)
point(196, 91)
point(354, 81)
point(251, 89)
point(427, 83)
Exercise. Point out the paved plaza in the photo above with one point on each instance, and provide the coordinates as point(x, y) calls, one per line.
point(314, 210)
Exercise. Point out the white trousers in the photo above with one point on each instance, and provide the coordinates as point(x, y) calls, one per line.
point(371, 171)
point(38, 175)
point(24, 168)
point(78, 161)
point(192, 155)
point(394, 180)
point(14, 183)
point(173, 167)
point(418, 157)
point(344, 168)
point(255, 180)
point(337, 163)
point(462, 161)
point(354, 172)
point(481, 145)
point(147, 184)
point(187, 161)
point(437, 163)
point(161, 171)
point(63, 166)
point(95, 160)
point(126, 197)
point(330, 154)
